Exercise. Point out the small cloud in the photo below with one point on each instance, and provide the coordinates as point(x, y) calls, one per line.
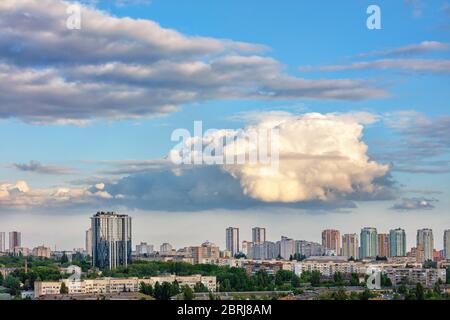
point(408, 204)
point(37, 167)
point(408, 50)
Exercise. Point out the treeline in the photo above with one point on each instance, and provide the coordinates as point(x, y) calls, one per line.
point(231, 279)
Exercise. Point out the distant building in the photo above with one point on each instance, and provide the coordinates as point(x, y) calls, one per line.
point(21, 251)
point(437, 255)
point(331, 240)
point(447, 244)
point(144, 249)
point(286, 247)
point(369, 243)
point(246, 246)
point(118, 285)
point(397, 243)
point(42, 252)
point(258, 235)
point(263, 251)
point(2, 242)
point(88, 242)
point(232, 240)
point(426, 277)
point(111, 240)
point(165, 249)
point(15, 240)
point(206, 253)
point(426, 241)
point(308, 248)
point(350, 245)
point(383, 245)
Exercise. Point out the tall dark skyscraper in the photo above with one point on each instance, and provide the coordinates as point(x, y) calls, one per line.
point(232, 240)
point(111, 240)
point(15, 240)
point(258, 235)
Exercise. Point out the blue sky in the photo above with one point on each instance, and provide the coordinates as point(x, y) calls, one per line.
point(51, 144)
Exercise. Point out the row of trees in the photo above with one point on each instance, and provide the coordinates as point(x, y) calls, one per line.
point(166, 290)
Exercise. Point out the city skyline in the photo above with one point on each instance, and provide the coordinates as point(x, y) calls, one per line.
point(233, 234)
point(362, 116)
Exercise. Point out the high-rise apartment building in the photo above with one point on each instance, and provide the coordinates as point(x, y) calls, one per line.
point(258, 235)
point(426, 241)
point(447, 244)
point(308, 248)
point(369, 243)
point(232, 240)
point(206, 253)
point(397, 243)
point(331, 240)
point(144, 249)
point(286, 247)
point(88, 242)
point(2, 242)
point(246, 246)
point(383, 245)
point(165, 248)
point(15, 240)
point(350, 245)
point(111, 240)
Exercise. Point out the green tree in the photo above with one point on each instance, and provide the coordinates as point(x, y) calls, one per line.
point(63, 289)
point(315, 278)
point(420, 294)
point(13, 284)
point(1, 279)
point(403, 289)
point(283, 276)
point(341, 294)
point(188, 294)
point(200, 287)
point(164, 291)
point(338, 279)
point(366, 295)
point(262, 279)
point(64, 259)
point(146, 289)
point(385, 281)
point(354, 280)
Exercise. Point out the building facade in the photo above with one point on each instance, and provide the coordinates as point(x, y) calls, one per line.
point(111, 240)
point(258, 235)
point(232, 240)
point(118, 285)
point(383, 245)
point(350, 246)
point(331, 240)
point(207, 252)
point(2, 242)
point(286, 247)
point(425, 240)
point(447, 244)
point(369, 243)
point(42, 252)
point(15, 240)
point(397, 243)
point(144, 249)
point(88, 242)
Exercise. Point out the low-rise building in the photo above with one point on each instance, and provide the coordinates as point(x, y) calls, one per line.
point(42, 252)
point(427, 277)
point(117, 285)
